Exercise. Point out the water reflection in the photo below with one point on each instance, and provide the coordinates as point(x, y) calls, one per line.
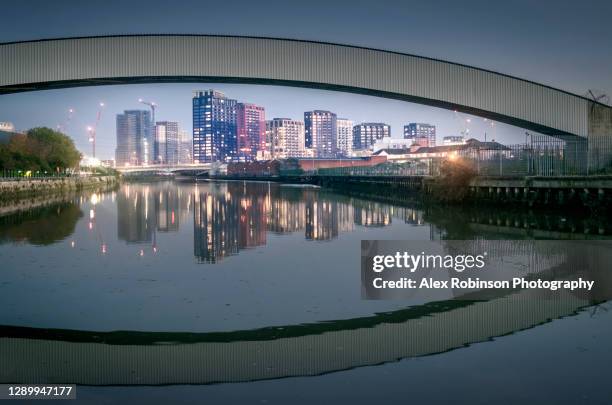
point(40, 225)
point(230, 217)
point(233, 216)
point(160, 319)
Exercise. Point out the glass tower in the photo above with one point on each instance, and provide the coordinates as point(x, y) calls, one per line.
point(134, 138)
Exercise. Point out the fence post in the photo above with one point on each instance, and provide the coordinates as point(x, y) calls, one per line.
point(588, 157)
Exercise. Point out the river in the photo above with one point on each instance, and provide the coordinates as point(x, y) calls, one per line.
point(250, 292)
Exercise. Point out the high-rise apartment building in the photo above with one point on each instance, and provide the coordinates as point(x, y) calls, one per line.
point(422, 134)
point(251, 130)
point(134, 138)
point(320, 132)
point(214, 127)
point(185, 148)
point(367, 133)
point(344, 138)
point(166, 145)
point(285, 138)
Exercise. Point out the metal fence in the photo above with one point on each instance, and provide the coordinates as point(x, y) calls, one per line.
point(544, 156)
point(541, 156)
point(549, 158)
point(421, 168)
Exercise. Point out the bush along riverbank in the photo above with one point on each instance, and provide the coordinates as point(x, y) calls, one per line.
point(24, 188)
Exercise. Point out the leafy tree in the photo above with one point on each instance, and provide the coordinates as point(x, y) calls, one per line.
point(39, 149)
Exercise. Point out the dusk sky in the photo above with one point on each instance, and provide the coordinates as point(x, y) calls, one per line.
point(563, 44)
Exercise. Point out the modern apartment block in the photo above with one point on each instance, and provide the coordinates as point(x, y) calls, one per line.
point(367, 133)
point(285, 138)
point(422, 134)
point(214, 127)
point(320, 132)
point(185, 148)
point(134, 131)
point(251, 130)
point(167, 143)
point(344, 138)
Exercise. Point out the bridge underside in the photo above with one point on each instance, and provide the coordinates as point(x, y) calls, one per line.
point(291, 83)
point(89, 61)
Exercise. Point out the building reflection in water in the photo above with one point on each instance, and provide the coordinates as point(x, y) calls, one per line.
point(216, 223)
point(135, 214)
point(374, 214)
point(229, 217)
point(167, 208)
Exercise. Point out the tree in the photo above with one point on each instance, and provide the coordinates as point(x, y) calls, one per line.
point(39, 149)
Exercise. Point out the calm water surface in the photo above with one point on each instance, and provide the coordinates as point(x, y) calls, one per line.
point(233, 287)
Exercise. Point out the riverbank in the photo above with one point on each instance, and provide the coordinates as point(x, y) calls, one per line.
point(14, 190)
point(564, 193)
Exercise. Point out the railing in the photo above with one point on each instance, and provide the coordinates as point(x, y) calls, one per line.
point(542, 156)
point(551, 158)
point(22, 175)
point(385, 169)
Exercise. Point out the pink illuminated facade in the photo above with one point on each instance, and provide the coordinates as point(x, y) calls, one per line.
point(251, 130)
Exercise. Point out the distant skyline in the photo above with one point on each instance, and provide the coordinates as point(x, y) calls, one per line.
point(174, 104)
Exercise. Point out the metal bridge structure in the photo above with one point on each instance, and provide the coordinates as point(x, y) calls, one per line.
point(192, 170)
point(88, 61)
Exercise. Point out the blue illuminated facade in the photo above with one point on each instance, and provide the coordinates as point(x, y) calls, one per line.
point(214, 127)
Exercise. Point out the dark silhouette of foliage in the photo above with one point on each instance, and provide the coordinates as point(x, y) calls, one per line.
point(453, 182)
point(40, 226)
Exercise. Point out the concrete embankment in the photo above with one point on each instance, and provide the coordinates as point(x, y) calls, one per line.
point(17, 189)
point(566, 191)
point(589, 192)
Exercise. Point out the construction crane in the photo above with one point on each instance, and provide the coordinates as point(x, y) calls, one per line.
point(150, 104)
point(91, 130)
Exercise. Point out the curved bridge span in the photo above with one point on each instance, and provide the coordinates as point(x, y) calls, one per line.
point(46, 64)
